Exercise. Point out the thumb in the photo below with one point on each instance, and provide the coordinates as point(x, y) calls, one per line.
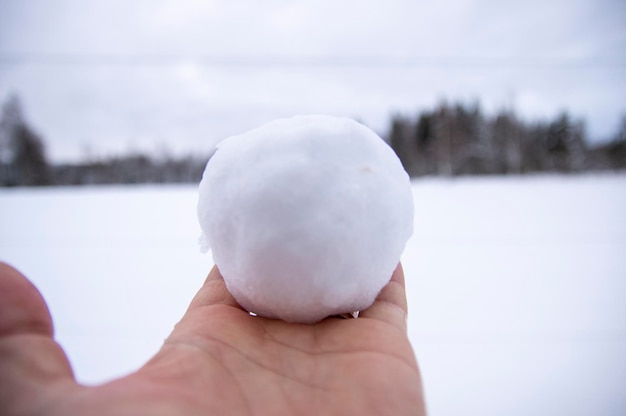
point(30, 359)
point(22, 309)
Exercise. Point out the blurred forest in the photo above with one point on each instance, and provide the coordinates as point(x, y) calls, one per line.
point(23, 161)
point(449, 140)
point(459, 139)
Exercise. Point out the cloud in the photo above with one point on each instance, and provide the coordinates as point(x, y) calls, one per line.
point(189, 72)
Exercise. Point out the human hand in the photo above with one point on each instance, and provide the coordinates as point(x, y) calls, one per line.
point(220, 360)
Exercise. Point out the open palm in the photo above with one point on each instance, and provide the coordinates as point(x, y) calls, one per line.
point(220, 360)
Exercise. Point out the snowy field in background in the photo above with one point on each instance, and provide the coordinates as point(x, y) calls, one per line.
point(517, 287)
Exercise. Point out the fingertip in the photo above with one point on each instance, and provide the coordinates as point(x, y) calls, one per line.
point(213, 292)
point(395, 291)
point(390, 305)
point(398, 275)
point(22, 308)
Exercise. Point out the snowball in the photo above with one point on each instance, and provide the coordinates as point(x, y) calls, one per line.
point(306, 217)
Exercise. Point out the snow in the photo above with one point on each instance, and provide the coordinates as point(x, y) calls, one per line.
point(517, 286)
point(306, 217)
point(517, 292)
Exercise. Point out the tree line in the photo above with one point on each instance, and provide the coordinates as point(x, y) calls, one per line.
point(450, 140)
point(460, 139)
point(23, 161)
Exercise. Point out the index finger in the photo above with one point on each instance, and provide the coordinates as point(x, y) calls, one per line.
point(213, 292)
point(390, 305)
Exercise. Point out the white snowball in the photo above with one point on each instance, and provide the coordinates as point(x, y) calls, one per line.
point(306, 217)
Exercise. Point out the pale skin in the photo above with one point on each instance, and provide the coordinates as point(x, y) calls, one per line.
point(219, 360)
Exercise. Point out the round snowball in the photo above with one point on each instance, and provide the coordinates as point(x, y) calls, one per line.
point(306, 217)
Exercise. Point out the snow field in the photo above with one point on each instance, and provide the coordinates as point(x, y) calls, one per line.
point(516, 286)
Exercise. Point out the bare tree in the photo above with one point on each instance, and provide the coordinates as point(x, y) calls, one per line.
point(22, 151)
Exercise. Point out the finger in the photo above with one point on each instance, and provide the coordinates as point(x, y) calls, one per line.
point(390, 305)
point(22, 308)
point(213, 292)
point(30, 359)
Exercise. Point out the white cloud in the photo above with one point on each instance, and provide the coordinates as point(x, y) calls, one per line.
point(543, 56)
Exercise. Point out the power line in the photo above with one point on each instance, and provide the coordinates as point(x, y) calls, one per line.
point(350, 62)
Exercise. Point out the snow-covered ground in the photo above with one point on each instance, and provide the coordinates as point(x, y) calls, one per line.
point(517, 286)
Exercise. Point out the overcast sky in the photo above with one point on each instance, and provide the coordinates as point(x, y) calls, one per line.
point(97, 77)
